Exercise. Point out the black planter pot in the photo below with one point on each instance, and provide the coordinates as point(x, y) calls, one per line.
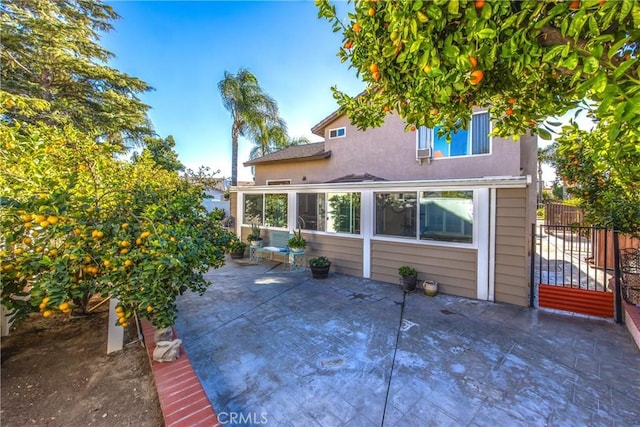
point(409, 283)
point(320, 272)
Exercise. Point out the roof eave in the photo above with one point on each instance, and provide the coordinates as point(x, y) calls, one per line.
point(318, 156)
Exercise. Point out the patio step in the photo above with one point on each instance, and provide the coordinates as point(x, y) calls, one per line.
point(182, 398)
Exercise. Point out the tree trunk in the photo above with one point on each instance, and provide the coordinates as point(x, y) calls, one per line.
point(234, 155)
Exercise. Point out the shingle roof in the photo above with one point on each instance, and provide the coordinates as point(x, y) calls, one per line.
point(357, 178)
point(297, 153)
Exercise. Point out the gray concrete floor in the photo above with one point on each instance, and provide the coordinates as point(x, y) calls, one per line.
point(281, 349)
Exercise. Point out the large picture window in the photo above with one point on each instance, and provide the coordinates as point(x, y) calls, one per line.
point(473, 141)
point(333, 212)
point(265, 209)
point(344, 213)
point(446, 215)
point(396, 214)
point(253, 208)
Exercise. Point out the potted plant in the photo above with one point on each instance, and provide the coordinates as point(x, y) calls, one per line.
point(408, 277)
point(236, 248)
point(320, 267)
point(430, 287)
point(296, 242)
point(254, 236)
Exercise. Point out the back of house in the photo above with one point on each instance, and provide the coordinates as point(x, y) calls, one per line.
point(374, 200)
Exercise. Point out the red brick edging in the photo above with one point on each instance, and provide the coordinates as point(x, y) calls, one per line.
point(182, 398)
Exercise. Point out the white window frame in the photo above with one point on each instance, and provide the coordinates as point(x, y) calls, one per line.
point(278, 182)
point(431, 136)
point(416, 239)
point(325, 219)
point(264, 201)
point(337, 130)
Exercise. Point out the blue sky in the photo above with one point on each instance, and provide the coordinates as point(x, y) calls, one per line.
point(183, 48)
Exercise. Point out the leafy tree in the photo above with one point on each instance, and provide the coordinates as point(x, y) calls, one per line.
point(162, 152)
point(50, 52)
point(432, 62)
point(252, 110)
point(76, 221)
point(605, 181)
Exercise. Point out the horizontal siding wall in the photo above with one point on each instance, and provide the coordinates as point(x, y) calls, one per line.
point(511, 275)
point(345, 253)
point(453, 268)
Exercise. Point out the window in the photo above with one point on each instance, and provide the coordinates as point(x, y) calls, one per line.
point(442, 215)
point(469, 142)
point(265, 209)
point(311, 211)
point(396, 214)
point(446, 215)
point(333, 212)
point(337, 133)
point(253, 209)
point(278, 181)
point(344, 213)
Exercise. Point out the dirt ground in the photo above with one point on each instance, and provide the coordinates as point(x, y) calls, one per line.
point(56, 372)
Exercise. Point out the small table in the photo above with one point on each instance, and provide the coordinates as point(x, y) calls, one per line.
point(296, 261)
point(255, 257)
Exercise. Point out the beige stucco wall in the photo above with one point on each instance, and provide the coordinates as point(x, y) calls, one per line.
point(389, 152)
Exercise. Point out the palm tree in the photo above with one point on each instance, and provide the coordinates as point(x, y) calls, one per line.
point(251, 108)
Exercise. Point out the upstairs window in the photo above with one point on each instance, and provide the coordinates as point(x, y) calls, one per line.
point(337, 133)
point(470, 142)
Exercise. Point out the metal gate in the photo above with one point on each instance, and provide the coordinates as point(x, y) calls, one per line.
point(571, 269)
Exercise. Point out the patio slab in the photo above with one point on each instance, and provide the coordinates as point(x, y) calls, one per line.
point(278, 348)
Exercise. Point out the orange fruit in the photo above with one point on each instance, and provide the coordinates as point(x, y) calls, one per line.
point(125, 225)
point(435, 112)
point(376, 76)
point(40, 218)
point(509, 112)
point(356, 28)
point(47, 313)
point(479, 4)
point(512, 101)
point(412, 128)
point(64, 306)
point(372, 11)
point(28, 224)
point(348, 44)
point(474, 61)
point(145, 234)
point(52, 219)
point(574, 5)
point(26, 240)
point(106, 263)
point(128, 263)
point(125, 325)
point(373, 68)
point(124, 251)
point(122, 320)
point(149, 309)
point(387, 108)
point(476, 77)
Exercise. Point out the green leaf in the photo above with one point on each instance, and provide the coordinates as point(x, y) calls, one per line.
point(434, 12)
point(600, 82)
point(417, 5)
point(486, 33)
point(590, 65)
point(623, 67)
point(571, 62)
point(453, 6)
point(627, 5)
point(544, 134)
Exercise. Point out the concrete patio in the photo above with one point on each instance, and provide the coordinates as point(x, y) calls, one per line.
point(281, 349)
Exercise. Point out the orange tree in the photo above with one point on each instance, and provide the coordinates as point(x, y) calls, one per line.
point(77, 221)
point(432, 62)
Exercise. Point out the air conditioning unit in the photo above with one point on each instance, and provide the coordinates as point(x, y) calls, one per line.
point(424, 153)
